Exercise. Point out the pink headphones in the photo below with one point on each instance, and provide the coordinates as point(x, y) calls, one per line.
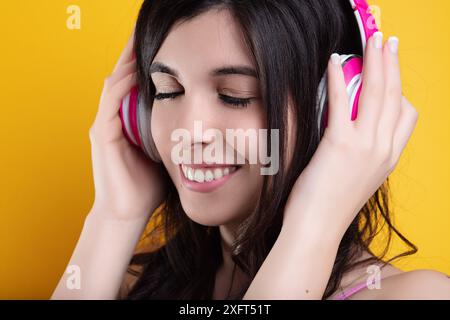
point(132, 109)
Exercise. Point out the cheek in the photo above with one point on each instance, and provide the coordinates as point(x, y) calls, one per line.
point(163, 124)
point(161, 129)
point(246, 193)
point(256, 180)
point(256, 122)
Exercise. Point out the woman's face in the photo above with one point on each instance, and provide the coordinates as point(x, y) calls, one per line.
point(204, 65)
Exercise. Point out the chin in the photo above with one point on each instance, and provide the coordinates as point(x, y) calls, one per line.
point(209, 215)
point(228, 200)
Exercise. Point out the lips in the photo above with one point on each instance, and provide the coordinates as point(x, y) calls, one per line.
point(206, 178)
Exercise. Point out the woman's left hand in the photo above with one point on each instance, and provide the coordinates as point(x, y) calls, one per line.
point(354, 158)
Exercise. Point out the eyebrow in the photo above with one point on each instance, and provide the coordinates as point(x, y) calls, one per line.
point(222, 71)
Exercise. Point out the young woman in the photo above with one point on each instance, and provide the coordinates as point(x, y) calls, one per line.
point(303, 233)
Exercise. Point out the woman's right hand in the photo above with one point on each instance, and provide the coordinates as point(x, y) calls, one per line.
point(128, 185)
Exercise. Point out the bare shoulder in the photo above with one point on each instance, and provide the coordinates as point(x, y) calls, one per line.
point(417, 284)
point(361, 274)
point(395, 284)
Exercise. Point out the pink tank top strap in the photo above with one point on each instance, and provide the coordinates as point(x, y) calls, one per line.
point(353, 290)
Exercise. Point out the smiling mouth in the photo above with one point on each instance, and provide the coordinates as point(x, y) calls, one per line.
point(206, 178)
point(207, 173)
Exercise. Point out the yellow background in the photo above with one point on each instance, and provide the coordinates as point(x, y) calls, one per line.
point(50, 81)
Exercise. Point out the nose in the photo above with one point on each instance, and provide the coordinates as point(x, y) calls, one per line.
point(200, 116)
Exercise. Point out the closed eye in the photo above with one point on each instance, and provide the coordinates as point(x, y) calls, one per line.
point(229, 100)
point(168, 95)
point(236, 102)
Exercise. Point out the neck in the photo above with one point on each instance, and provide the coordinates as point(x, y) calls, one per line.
point(226, 281)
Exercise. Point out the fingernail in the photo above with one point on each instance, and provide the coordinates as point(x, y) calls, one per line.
point(378, 38)
point(335, 59)
point(393, 44)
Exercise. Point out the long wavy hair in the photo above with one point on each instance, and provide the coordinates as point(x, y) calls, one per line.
point(291, 42)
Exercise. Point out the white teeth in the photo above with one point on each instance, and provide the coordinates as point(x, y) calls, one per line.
point(199, 176)
point(209, 176)
point(206, 175)
point(190, 174)
point(218, 173)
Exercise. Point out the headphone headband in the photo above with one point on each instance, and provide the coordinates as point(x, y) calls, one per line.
point(352, 65)
point(366, 21)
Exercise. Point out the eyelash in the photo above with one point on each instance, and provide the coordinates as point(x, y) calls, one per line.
point(232, 101)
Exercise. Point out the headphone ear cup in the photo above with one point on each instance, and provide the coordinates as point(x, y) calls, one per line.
point(322, 104)
point(135, 118)
point(352, 66)
point(124, 114)
point(144, 127)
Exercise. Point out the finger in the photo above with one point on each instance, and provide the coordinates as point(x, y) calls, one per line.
point(393, 90)
point(373, 85)
point(124, 86)
point(338, 115)
point(405, 127)
point(109, 84)
point(111, 100)
point(122, 72)
point(127, 53)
